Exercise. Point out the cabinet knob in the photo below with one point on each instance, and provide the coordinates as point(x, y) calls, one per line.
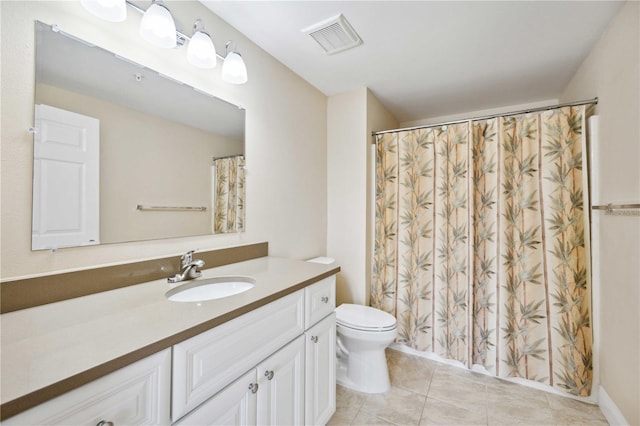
point(325, 299)
point(268, 374)
point(314, 339)
point(104, 423)
point(253, 387)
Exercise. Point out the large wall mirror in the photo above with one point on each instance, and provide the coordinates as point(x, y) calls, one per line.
point(123, 153)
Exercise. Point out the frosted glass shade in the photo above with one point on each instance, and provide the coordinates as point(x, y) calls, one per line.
point(109, 10)
point(234, 70)
point(157, 27)
point(201, 52)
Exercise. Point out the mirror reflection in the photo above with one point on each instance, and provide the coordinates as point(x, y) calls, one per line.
point(123, 153)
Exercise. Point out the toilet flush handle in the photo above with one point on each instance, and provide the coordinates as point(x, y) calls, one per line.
point(341, 347)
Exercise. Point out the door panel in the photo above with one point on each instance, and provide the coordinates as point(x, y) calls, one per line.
point(235, 405)
point(320, 366)
point(281, 391)
point(66, 170)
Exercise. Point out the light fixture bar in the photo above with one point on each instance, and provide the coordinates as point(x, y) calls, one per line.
point(181, 38)
point(158, 27)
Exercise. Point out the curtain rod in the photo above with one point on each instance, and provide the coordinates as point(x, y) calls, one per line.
point(487, 117)
point(228, 156)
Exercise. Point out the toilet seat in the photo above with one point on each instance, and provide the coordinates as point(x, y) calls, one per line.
point(364, 318)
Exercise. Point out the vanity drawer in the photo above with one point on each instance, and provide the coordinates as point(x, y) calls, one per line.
point(320, 300)
point(134, 395)
point(208, 362)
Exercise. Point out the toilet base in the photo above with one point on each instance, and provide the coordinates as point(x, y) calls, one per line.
point(364, 372)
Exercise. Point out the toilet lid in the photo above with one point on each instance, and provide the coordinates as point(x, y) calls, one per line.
point(364, 318)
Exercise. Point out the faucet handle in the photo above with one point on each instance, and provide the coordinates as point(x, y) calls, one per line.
point(187, 258)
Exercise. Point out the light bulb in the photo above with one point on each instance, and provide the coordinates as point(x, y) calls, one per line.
point(109, 10)
point(234, 70)
point(157, 26)
point(201, 52)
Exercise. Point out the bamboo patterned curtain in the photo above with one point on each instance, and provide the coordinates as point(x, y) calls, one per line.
point(480, 244)
point(228, 195)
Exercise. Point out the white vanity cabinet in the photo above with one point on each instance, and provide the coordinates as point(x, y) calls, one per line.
point(203, 365)
point(270, 394)
point(137, 394)
point(274, 365)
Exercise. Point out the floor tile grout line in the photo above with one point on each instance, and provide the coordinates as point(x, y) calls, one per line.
point(424, 406)
point(488, 389)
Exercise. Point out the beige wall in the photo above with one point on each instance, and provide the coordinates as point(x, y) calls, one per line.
point(346, 186)
point(612, 73)
point(350, 119)
point(285, 138)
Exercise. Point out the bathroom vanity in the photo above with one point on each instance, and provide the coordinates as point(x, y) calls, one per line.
point(131, 356)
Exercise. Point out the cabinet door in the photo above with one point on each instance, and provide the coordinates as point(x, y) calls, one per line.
point(320, 371)
point(234, 405)
point(134, 395)
point(281, 386)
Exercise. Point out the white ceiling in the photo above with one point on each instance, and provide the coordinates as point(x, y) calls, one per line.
point(431, 58)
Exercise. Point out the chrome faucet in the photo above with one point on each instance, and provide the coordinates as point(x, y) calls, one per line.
point(188, 268)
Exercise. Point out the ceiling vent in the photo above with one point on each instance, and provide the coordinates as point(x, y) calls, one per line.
point(334, 34)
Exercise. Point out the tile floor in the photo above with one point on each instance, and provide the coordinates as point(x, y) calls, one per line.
point(426, 392)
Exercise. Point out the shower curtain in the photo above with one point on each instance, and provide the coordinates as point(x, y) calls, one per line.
point(481, 248)
point(228, 194)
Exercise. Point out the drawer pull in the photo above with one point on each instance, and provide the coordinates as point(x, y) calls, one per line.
point(104, 423)
point(268, 374)
point(314, 339)
point(253, 387)
point(325, 299)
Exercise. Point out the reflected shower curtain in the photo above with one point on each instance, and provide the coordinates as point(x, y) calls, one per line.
point(480, 246)
point(228, 194)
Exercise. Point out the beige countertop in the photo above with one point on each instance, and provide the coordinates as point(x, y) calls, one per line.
point(50, 349)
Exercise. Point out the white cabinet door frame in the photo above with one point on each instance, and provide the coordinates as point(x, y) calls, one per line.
point(320, 377)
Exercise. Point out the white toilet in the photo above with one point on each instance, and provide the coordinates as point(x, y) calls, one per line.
point(363, 334)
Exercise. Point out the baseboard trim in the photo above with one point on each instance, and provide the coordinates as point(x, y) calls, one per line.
point(610, 410)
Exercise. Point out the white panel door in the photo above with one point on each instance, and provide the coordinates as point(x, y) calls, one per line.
point(66, 171)
point(281, 386)
point(320, 377)
point(234, 405)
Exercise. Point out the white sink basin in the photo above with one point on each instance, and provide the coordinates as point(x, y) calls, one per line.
point(202, 289)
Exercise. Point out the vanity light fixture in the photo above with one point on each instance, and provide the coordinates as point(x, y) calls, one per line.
point(109, 10)
point(158, 27)
point(234, 70)
point(201, 52)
